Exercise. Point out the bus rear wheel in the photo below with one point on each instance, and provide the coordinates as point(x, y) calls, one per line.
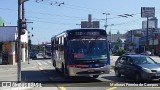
point(56, 70)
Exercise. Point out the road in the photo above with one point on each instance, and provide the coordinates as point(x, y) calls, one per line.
point(41, 70)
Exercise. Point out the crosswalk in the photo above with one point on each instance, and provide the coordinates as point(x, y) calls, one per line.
point(41, 63)
point(45, 64)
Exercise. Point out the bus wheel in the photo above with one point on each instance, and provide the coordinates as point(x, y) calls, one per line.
point(54, 64)
point(56, 70)
point(95, 76)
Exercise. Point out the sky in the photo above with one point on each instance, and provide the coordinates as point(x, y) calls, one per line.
point(51, 17)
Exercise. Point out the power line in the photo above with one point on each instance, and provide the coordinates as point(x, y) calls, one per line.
point(42, 13)
point(50, 18)
point(81, 8)
point(66, 16)
point(127, 22)
point(52, 22)
point(51, 2)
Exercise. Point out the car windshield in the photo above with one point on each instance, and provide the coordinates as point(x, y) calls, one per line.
point(88, 49)
point(143, 60)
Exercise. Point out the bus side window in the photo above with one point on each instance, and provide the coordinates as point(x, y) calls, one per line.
point(62, 44)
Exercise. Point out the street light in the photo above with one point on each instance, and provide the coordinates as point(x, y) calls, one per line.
point(106, 19)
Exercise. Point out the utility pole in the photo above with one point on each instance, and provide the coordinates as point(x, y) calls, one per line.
point(153, 37)
point(147, 41)
point(21, 26)
point(23, 10)
point(147, 12)
point(19, 43)
point(108, 50)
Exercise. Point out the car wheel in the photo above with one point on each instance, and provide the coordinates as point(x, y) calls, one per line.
point(138, 77)
point(117, 73)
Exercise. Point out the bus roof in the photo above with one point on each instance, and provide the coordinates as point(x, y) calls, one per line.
point(70, 30)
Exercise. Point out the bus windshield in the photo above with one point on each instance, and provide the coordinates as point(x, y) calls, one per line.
point(88, 49)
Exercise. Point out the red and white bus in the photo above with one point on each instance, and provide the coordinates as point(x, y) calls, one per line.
point(81, 52)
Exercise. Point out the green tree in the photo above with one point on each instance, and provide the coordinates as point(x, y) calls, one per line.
point(120, 52)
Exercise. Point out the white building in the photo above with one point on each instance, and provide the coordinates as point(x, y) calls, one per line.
point(8, 45)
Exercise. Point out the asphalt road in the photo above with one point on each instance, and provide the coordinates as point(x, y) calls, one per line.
point(42, 71)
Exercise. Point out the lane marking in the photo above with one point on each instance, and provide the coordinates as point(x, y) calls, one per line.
point(49, 61)
point(39, 63)
point(112, 88)
point(62, 88)
point(45, 63)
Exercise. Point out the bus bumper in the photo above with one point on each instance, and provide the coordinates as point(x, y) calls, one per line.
point(73, 71)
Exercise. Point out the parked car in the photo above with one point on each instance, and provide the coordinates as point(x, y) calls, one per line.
point(130, 53)
point(146, 53)
point(33, 55)
point(139, 67)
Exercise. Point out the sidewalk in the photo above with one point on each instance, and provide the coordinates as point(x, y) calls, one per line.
point(30, 71)
point(9, 72)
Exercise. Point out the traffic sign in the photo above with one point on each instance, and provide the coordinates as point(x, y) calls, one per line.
point(147, 12)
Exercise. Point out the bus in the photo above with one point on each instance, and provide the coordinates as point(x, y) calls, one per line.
point(81, 52)
point(47, 50)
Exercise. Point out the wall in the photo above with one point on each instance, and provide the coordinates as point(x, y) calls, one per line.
point(7, 34)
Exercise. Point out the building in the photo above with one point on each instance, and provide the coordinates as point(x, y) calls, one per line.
point(114, 37)
point(152, 23)
point(153, 39)
point(8, 45)
point(136, 39)
point(90, 23)
point(132, 39)
point(116, 41)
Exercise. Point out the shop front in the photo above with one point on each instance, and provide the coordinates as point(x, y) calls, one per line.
point(7, 53)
